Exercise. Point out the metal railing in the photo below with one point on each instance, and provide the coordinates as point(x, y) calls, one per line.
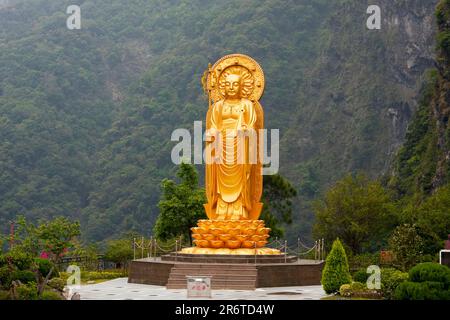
point(152, 248)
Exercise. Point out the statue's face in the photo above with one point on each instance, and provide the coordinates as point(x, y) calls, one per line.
point(233, 86)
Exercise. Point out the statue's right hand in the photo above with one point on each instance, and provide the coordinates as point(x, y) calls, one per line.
point(211, 134)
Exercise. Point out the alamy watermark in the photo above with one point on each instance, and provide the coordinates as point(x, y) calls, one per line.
point(374, 20)
point(227, 146)
point(374, 280)
point(73, 22)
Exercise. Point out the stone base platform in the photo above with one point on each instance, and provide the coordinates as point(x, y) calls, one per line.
point(227, 272)
point(228, 259)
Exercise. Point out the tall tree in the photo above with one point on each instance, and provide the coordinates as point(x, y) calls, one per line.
point(356, 210)
point(181, 205)
point(277, 198)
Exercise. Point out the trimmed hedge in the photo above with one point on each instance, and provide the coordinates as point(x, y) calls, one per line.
point(427, 290)
point(430, 271)
point(428, 281)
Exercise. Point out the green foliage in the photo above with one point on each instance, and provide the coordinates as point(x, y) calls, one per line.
point(20, 264)
point(427, 281)
point(101, 275)
point(56, 283)
point(5, 277)
point(51, 295)
point(345, 290)
point(57, 236)
point(361, 276)
point(277, 197)
point(19, 259)
point(407, 246)
point(422, 164)
point(4, 295)
point(421, 291)
point(432, 217)
point(181, 205)
point(390, 279)
point(119, 251)
point(429, 271)
point(416, 159)
point(24, 276)
point(358, 290)
point(363, 260)
point(335, 272)
point(27, 292)
point(44, 266)
point(358, 211)
point(443, 36)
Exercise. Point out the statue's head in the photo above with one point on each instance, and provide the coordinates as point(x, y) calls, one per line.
point(233, 86)
point(236, 82)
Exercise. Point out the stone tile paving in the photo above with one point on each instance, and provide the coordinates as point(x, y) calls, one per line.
point(120, 289)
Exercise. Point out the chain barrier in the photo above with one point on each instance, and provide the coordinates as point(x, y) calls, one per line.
point(155, 248)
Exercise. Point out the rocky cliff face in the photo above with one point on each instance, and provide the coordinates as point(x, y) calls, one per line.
point(362, 92)
point(363, 88)
point(423, 163)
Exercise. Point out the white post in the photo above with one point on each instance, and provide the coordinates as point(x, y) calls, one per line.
point(323, 249)
point(285, 251)
point(134, 248)
point(315, 250)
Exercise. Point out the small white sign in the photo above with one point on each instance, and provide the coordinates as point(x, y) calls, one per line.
point(198, 287)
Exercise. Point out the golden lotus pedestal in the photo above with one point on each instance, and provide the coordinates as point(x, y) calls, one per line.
point(230, 237)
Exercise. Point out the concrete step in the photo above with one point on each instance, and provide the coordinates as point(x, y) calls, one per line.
point(217, 284)
point(214, 274)
point(214, 267)
point(224, 270)
point(227, 287)
point(239, 277)
point(180, 276)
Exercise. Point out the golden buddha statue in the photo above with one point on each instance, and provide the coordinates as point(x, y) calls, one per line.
point(233, 163)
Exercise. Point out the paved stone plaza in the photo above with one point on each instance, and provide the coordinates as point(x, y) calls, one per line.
point(120, 289)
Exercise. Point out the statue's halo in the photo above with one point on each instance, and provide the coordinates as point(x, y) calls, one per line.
point(231, 61)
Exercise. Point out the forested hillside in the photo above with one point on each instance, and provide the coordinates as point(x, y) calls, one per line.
point(86, 115)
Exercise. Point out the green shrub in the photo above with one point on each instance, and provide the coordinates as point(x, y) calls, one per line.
point(390, 279)
point(361, 276)
point(3, 261)
point(50, 295)
point(44, 266)
point(5, 277)
point(4, 295)
point(407, 246)
point(345, 290)
point(358, 286)
point(24, 276)
point(94, 275)
point(21, 260)
point(430, 271)
point(428, 281)
point(427, 290)
point(335, 272)
point(27, 292)
point(57, 283)
point(358, 290)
